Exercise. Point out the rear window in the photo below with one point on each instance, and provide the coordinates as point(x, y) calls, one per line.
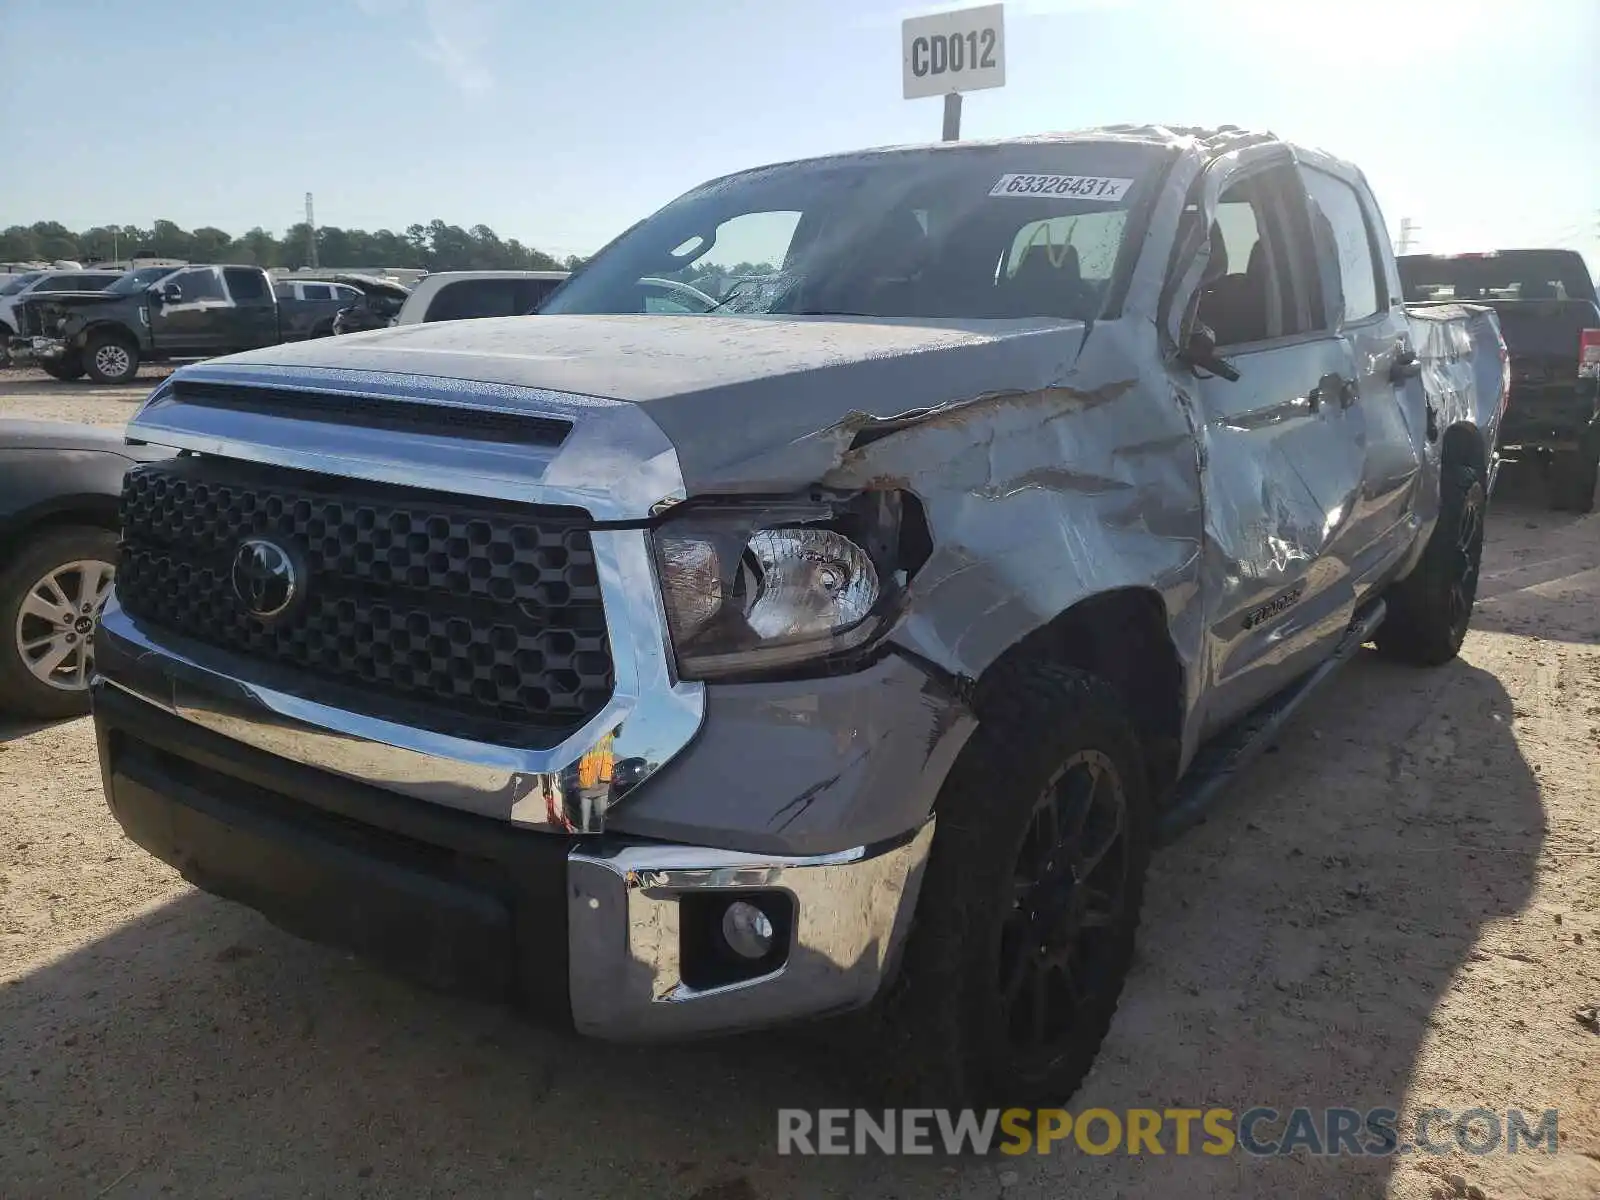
point(1509, 275)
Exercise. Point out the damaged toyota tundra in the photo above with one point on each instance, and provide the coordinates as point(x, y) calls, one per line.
point(845, 647)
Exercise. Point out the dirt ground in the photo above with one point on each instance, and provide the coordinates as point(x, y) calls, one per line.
point(34, 395)
point(1399, 906)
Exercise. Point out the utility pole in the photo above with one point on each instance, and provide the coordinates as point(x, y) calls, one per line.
point(952, 117)
point(311, 232)
point(1408, 235)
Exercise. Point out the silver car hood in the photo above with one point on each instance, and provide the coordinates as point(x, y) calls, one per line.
point(733, 395)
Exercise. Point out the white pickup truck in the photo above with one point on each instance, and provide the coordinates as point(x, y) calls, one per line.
point(848, 644)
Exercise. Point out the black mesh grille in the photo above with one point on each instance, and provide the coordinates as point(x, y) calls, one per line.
point(454, 611)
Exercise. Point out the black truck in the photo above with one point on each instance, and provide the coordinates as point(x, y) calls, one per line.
point(1550, 321)
point(155, 315)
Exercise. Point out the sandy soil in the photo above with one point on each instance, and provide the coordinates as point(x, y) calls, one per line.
point(35, 396)
point(1400, 906)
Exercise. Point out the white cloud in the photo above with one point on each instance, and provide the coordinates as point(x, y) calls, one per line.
point(456, 36)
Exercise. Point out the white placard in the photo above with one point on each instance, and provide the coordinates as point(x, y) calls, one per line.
point(1074, 187)
point(963, 51)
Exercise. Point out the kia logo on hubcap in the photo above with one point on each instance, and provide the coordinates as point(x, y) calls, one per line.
point(263, 578)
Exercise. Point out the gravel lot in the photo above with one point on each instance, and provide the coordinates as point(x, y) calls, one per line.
point(1400, 906)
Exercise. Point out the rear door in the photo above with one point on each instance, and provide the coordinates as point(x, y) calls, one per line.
point(1283, 463)
point(1391, 415)
point(255, 311)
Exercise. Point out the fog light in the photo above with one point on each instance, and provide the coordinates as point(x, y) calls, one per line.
point(746, 930)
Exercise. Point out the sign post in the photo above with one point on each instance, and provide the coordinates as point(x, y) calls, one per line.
point(948, 53)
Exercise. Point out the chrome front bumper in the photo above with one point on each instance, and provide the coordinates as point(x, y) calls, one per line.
point(623, 908)
point(36, 349)
point(468, 904)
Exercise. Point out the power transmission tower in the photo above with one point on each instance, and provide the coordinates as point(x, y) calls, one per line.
point(1408, 235)
point(311, 232)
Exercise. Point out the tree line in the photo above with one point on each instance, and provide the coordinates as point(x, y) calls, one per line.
point(435, 246)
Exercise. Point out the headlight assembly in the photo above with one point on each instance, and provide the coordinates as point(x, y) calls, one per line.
point(751, 588)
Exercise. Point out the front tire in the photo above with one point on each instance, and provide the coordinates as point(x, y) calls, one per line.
point(1024, 929)
point(110, 358)
point(66, 368)
point(50, 600)
point(1429, 610)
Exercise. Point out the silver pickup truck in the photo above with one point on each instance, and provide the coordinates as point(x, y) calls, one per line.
point(848, 646)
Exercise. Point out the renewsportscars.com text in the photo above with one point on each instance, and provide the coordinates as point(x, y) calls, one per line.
point(1260, 1131)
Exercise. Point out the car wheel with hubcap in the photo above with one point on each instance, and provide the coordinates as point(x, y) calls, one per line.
point(50, 603)
point(110, 359)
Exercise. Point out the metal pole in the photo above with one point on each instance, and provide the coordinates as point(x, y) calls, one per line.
point(952, 117)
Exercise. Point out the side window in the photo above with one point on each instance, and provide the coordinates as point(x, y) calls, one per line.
point(246, 287)
point(747, 252)
point(1260, 282)
point(315, 291)
point(56, 283)
point(531, 293)
point(199, 284)
point(666, 302)
point(468, 298)
point(345, 294)
point(1358, 266)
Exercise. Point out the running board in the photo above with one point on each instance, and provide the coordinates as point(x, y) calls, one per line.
point(1221, 759)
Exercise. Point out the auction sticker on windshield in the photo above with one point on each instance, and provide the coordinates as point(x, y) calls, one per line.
point(1079, 187)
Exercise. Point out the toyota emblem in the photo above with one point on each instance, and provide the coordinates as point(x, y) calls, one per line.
point(263, 578)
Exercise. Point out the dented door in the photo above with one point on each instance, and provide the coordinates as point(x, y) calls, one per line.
point(1281, 465)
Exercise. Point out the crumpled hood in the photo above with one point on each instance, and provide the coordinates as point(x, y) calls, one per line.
point(74, 299)
point(727, 391)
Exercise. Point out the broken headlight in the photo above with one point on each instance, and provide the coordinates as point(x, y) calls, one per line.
point(755, 588)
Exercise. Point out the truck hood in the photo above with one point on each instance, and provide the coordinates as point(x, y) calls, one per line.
point(75, 299)
point(728, 392)
point(371, 285)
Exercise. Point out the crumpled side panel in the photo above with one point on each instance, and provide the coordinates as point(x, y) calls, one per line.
point(1465, 377)
point(1039, 500)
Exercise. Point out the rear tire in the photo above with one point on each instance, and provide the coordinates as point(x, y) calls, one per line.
point(1430, 609)
point(50, 599)
point(66, 368)
point(1573, 474)
point(110, 358)
point(1024, 928)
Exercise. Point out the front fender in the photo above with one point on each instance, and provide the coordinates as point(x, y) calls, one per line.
point(1038, 501)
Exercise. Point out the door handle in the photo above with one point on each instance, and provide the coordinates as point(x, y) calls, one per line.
point(1406, 365)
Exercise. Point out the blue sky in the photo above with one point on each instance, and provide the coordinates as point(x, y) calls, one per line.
point(560, 122)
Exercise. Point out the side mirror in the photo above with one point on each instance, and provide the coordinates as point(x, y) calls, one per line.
point(1200, 353)
point(170, 293)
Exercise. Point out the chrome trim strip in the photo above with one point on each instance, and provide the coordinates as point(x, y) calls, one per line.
point(616, 462)
point(625, 981)
point(649, 718)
